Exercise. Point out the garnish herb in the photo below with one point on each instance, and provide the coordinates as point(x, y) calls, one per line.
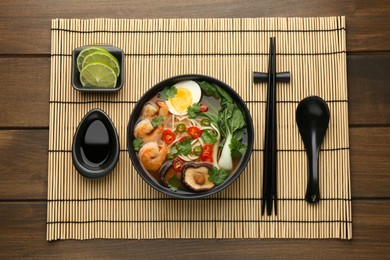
point(209, 137)
point(157, 121)
point(168, 92)
point(174, 150)
point(174, 183)
point(170, 156)
point(183, 148)
point(137, 143)
point(218, 176)
point(193, 110)
point(237, 149)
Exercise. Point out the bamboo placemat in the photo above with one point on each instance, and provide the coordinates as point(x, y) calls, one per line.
point(122, 205)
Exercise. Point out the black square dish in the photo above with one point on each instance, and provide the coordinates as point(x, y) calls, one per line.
point(116, 52)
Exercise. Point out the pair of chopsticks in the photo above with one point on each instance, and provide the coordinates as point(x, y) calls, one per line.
point(270, 148)
point(270, 156)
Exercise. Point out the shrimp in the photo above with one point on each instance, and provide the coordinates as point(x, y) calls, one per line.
point(163, 108)
point(147, 131)
point(152, 155)
point(149, 110)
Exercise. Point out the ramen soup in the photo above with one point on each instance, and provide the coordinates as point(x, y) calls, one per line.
point(191, 136)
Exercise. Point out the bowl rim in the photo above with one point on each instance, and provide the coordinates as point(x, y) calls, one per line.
point(152, 92)
point(74, 71)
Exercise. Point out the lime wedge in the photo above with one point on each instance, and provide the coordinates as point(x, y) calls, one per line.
point(98, 75)
point(84, 53)
point(102, 57)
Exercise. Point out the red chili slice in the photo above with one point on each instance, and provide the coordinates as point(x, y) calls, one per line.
point(178, 164)
point(206, 157)
point(207, 148)
point(194, 131)
point(203, 108)
point(168, 136)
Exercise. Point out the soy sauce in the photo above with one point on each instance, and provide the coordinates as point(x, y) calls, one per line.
point(95, 148)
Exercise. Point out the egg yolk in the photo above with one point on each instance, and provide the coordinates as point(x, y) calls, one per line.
point(182, 100)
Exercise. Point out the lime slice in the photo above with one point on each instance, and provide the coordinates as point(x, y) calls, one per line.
point(98, 75)
point(102, 57)
point(84, 53)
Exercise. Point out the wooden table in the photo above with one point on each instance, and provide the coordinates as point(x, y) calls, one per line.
point(24, 106)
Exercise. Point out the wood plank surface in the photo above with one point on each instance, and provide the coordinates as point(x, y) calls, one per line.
point(25, 26)
point(25, 90)
point(23, 234)
point(369, 89)
point(23, 164)
point(24, 87)
point(370, 164)
point(25, 73)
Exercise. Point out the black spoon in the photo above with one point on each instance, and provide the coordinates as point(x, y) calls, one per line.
point(312, 117)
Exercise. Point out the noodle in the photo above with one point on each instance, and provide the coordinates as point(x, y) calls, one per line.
point(185, 158)
point(191, 139)
point(194, 122)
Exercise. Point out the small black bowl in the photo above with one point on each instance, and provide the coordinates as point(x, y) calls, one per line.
point(137, 112)
point(116, 52)
point(80, 161)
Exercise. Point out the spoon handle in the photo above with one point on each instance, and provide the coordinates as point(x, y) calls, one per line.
point(312, 189)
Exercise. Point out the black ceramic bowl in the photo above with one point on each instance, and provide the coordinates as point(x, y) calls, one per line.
point(137, 112)
point(116, 52)
point(110, 157)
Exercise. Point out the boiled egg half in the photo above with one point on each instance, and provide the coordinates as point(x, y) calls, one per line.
point(188, 93)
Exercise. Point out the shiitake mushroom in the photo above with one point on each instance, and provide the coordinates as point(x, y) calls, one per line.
point(196, 176)
point(166, 173)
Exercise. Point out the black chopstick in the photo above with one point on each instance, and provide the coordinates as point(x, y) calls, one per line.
point(270, 154)
point(270, 177)
point(267, 140)
point(270, 124)
point(273, 133)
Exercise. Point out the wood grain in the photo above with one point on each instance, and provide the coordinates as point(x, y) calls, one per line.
point(368, 89)
point(25, 90)
point(25, 29)
point(23, 163)
point(23, 234)
point(370, 164)
point(25, 26)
